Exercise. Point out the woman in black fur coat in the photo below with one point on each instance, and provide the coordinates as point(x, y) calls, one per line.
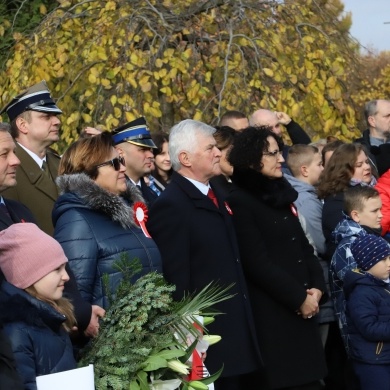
point(284, 277)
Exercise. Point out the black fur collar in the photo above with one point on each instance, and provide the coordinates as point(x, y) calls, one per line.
point(275, 192)
point(118, 208)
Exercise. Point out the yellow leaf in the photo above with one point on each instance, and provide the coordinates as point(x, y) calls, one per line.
point(92, 79)
point(295, 110)
point(87, 118)
point(293, 78)
point(113, 100)
point(146, 87)
point(42, 9)
point(331, 82)
point(269, 72)
point(105, 82)
point(117, 112)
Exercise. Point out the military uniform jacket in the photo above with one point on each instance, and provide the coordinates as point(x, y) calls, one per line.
point(35, 189)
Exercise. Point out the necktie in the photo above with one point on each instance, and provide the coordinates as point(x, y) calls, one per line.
point(4, 210)
point(212, 196)
point(45, 169)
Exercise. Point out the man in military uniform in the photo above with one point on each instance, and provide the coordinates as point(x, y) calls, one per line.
point(134, 142)
point(35, 126)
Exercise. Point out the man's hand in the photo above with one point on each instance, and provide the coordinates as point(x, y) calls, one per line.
point(93, 327)
point(283, 118)
point(90, 132)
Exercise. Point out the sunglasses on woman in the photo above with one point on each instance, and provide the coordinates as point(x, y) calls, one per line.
point(115, 162)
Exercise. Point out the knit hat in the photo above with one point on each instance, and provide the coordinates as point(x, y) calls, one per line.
point(368, 250)
point(27, 254)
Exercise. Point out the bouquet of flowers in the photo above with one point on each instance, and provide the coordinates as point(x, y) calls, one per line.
point(148, 340)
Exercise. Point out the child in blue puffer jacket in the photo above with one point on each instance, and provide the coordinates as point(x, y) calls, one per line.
point(367, 293)
point(36, 318)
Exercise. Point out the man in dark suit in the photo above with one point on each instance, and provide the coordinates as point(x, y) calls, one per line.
point(35, 126)
point(134, 142)
point(10, 212)
point(195, 235)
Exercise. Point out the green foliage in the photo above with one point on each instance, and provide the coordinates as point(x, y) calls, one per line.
point(141, 332)
point(20, 17)
point(110, 61)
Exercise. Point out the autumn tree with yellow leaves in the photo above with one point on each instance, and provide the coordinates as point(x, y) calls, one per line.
point(110, 61)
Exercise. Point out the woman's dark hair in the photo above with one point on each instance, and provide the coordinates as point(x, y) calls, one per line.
point(339, 170)
point(159, 139)
point(330, 147)
point(85, 154)
point(249, 146)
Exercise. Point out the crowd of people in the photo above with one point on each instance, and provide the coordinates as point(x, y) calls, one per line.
point(296, 230)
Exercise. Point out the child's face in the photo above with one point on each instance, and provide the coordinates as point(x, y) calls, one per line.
point(371, 214)
point(381, 269)
point(315, 169)
point(51, 286)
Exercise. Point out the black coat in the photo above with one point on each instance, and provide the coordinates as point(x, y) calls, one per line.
point(9, 377)
point(198, 246)
point(279, 266)
point(18, 212)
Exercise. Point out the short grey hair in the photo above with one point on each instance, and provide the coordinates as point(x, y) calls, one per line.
point(5, 127)
point(370, 109)
point(183, 137)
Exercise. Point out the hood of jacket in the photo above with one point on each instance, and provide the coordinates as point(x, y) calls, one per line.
point(17, 305)
point(79, 190)
point(357, 277)
point(274, 192)
point(299, 185)
point(346, 228)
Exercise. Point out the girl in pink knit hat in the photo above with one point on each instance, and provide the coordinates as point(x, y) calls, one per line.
point(36, 317)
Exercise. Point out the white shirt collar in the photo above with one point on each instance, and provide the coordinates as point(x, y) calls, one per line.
point(36, 158)
point(203, 188)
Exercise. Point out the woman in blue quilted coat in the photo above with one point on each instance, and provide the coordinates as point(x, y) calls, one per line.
point(94, 218)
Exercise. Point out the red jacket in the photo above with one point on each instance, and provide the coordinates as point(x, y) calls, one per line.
point(383, 186)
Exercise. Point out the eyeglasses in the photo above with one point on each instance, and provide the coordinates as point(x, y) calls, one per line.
point(115, 162)
point(276, 153)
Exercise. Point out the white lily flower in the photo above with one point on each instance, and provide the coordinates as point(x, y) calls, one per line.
point(171, 384)
point(178, 366)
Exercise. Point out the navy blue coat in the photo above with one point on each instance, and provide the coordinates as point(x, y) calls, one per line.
point(39, 342)
point(198, 246)
point(94, 227)
point(368, 318)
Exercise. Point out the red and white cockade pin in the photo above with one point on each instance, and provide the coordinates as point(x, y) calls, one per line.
point(229, 210)
point(294, 210)
point(141, 216)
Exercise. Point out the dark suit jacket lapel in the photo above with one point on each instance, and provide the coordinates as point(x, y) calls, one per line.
point(200, 200)
point(35, 174)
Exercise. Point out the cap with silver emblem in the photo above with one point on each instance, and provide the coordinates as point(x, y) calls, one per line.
point(35, 98)
point(135, 132)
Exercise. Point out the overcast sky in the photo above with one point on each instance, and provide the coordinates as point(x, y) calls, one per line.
point(368, 17)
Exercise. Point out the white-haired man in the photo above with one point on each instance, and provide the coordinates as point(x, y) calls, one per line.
point(193, 229)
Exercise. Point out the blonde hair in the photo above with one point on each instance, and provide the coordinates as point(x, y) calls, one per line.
point(299, 155)
point(62, 305)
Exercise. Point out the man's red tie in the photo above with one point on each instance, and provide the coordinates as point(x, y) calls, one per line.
point(212, 196)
